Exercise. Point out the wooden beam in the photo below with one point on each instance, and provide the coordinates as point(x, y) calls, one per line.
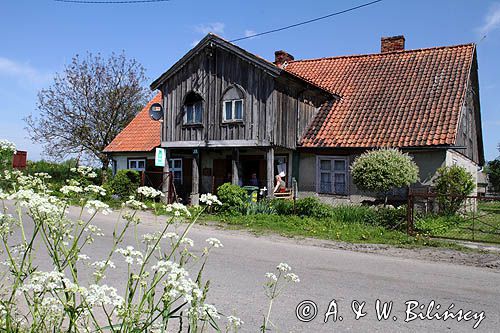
point(270, 171)
point(195, 184)
point(215, 143)
point(235, 167)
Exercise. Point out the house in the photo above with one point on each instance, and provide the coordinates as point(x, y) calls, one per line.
point(230, 115)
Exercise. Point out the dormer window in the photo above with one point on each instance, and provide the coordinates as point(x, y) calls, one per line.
point(233, 104)
point(193, 108)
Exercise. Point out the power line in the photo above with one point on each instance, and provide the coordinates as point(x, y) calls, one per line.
point(109, 1)
point(306, 22)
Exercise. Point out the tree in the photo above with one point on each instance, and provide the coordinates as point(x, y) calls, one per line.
point(453, 184)
point(88, 105)
point(493, 171)
point(383, 170)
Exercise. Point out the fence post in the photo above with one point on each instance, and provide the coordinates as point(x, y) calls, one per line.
point(409, 214)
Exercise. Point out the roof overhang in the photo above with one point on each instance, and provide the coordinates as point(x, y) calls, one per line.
point(212, 40)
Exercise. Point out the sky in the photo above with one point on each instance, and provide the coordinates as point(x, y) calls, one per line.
point(39, 37)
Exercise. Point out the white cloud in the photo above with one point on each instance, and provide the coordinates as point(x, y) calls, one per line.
point(491, 21)
point(249, 33)
point(216, 28)
point(22, 71)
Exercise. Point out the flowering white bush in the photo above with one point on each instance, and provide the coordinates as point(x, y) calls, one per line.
point(6, 145)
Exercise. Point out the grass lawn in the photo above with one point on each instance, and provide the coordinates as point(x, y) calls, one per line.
point(485, 227)
point(327, 228)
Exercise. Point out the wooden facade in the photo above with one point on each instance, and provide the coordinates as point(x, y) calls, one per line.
point(277, 107)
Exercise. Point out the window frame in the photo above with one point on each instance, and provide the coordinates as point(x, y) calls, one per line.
point(332, 172)
point(136, 160)
point(173, 169)
point(233, 110)
point(187, 102)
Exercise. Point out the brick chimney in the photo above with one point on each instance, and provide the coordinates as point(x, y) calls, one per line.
point(280, 57)
point(391, 44)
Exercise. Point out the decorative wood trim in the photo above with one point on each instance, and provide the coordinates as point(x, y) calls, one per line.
point(215, 144)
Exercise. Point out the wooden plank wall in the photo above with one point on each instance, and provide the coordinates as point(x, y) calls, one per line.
point(275, 110)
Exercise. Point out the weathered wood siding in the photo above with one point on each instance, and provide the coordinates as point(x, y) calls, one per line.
point(276, 110)
point(469, 134)
point(209, 73)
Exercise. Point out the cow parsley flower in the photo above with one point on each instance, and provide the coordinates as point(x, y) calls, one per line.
point(214, 242)
point(292, 277)
point(95, 206)
point(177, 210)
point(95, 189)
point(6, 145)
point(210, 199)
point(284, 267)
point(129, 253)
point(134, 204)
point(149, 192)
point(272, 277)
point(67, 189)
point(235, 321)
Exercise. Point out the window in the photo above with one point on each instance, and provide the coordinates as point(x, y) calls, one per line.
point(175, 167)
point(193, 108)
point(332, 175)
point(138, 164)
point(233, 104)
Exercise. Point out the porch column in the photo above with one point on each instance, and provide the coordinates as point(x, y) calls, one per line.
point(270, 171)
point(235, 167)
point(195, 195)
point(165, 185)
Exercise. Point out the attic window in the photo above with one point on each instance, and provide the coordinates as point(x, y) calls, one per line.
point(233, 105)
point(193, 108)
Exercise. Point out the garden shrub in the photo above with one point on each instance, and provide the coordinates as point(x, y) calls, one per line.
point(125, 183)
point(452, 184)
point(312, 207)
point(382, 170)
point(282, 207)
point(389, 218)
point(263, 206)
point(59, 172)
point(234, 199)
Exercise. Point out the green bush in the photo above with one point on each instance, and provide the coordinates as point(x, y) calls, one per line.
point(59, 172)
point(234, 199)
point(312, 207)
point(382, 170)
point(125, 183)
point(389, 218)
point(263, 206)
point(282, 207)
point(452, 184)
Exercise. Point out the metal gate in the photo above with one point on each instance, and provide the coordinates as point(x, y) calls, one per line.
point(475, 218)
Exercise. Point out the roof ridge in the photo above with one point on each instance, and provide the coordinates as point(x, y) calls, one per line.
point(385, 53)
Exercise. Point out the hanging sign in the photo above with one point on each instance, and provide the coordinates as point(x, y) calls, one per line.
point(160, 157)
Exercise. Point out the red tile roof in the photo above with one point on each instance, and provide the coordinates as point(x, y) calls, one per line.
point(398, 99)
point(141, 134)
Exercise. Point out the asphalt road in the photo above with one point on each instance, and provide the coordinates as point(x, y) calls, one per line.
point(237, 275)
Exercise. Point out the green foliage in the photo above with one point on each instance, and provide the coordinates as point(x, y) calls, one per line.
point(383, 170)
point(59, 172)
point(261, 207)
point(312, 207)
point(389, 218)
point(452, 184)
point(234, 199)
point(493, 171)
point(7, 151)
point(282, 207)
point(125, 183)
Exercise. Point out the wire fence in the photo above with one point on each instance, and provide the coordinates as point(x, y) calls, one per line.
point(470, 218)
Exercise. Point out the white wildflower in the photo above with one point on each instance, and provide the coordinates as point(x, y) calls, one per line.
point(214, 242)
point(129, 253)
point(272, 277)
point(67, 189)
point(292, 277)
point(149, 192)
point(95, 189)
point(210, 199)
point(284, 267)
point(235, 321)
point(177, 210)
point(95, 206)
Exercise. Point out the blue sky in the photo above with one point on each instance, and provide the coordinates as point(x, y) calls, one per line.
point(37, 38)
